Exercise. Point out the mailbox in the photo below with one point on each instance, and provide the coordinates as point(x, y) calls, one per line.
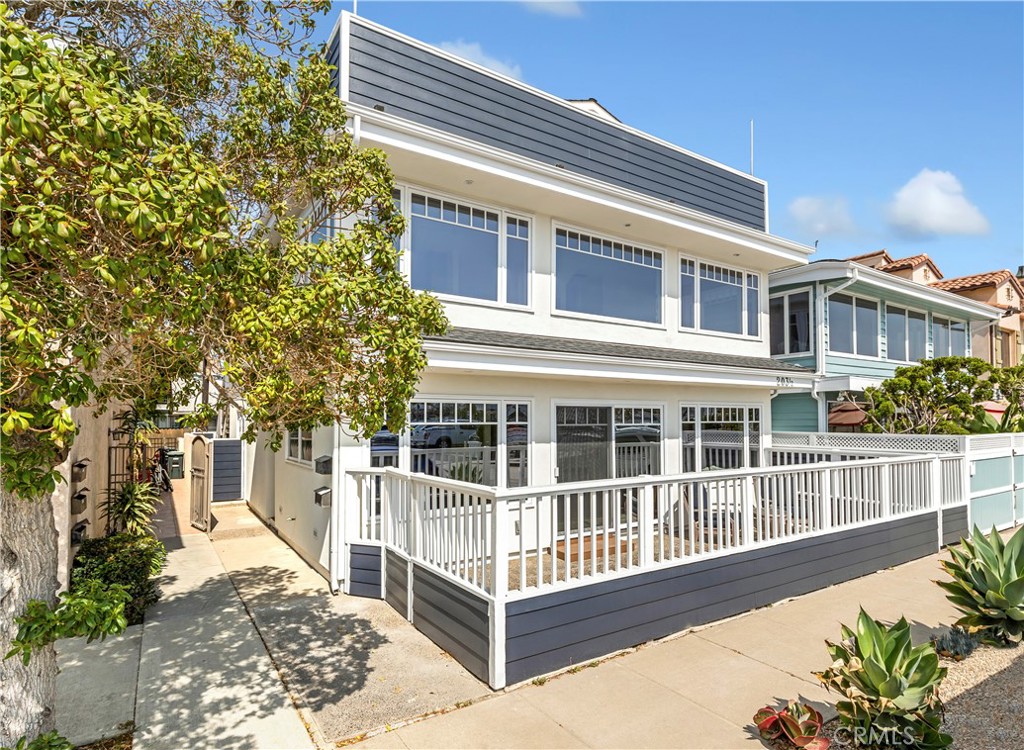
point(322, 497)
point(79, 501)
point(322, 465)
point(79, 469)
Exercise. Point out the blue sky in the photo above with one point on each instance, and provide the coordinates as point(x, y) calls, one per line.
point(896, 125)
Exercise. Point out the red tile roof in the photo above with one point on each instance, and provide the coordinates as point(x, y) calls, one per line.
point(912, 261)
point(977, 281)
point(865, 256)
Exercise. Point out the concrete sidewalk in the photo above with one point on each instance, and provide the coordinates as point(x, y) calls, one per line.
point(697, 690)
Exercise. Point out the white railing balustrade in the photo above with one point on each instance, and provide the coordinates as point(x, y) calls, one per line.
point(525, 541)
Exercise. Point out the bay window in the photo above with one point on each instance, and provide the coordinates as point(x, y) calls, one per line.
point(714, 298)
point(598, 276)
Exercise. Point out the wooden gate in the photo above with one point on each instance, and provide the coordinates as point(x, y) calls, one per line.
point(201, 486)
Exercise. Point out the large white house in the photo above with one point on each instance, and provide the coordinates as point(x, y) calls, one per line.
point(607, 291)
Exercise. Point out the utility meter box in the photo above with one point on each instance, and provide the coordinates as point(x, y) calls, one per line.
point(322, 497)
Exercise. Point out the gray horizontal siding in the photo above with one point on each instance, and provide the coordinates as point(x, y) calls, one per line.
point(227, 470)
point(364, 570)
point(396, 586)
point(424, 87)
point(954, 525)
point(557, 630)
point(453, 618)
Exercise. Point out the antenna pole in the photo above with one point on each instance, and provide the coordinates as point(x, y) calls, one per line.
point(355, 7)
point(751, 147)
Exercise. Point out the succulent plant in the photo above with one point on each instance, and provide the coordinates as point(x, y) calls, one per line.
point(890, 687)
point(956, 643)
point(798, 722)
point(988, 585)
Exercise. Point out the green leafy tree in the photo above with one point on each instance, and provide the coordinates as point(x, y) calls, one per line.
point(938, 396)
point(156, 159)
point(1010, 381)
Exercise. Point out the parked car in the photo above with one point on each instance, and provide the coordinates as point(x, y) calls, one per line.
point(442, 436)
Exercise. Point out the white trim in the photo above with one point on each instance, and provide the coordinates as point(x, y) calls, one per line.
point(402, 134)
point(549, 97)
point(833, 270)
point(557, 224)
point(444, 355)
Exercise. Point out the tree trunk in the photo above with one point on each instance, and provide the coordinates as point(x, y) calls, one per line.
point(28, 570)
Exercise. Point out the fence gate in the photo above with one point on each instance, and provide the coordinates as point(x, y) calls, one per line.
point(200, 491)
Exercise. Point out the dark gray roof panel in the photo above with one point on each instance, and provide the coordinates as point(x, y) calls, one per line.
point(556, 344)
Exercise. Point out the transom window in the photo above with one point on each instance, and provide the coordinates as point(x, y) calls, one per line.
point(853, 325)
point(949, 338)
point(468, 251)
point(461, 440)
point(720, 437)
point(598, 276)
point(789, 323)
point(715, 298)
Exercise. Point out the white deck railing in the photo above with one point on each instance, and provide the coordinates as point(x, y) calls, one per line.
point(520, 542)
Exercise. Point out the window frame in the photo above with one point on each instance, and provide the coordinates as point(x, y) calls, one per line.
point(879, 307)
point(906, 324)
point(746, 275)
point(612, 404)
point(950, 321)
point(698, 446)
point(784, 296)
point(504, 214)
point(557, 312)
point(404, 439)
point(303, 436)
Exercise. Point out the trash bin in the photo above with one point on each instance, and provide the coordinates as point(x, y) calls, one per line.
point(176, 464)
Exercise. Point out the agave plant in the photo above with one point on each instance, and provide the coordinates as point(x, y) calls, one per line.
point(799, 722)
point(890, 687)
point(130, 508)
point(988, 585)
point(956, 643)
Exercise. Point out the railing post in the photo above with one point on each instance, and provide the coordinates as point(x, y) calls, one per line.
point(827, 476)
point(385, 509)
point(936, 483)
point(747, 525)
point(499, 589)
point(416, 521)
point(646, 539)
point(886, 489)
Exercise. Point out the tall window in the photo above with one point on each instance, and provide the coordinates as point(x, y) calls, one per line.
point(789, 319)
point(602, 277)
point(949, 338)
point(601, 442)
point(460, 440)
point(852, 325)
point(720, 437)
point(917, 336)
point(713, 298)
point(467, 251)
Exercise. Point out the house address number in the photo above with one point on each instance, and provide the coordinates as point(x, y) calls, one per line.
point(783, 382)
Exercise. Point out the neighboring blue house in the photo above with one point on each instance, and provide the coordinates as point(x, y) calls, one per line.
point(855, 321)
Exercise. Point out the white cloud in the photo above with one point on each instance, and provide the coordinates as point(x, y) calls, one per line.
point(822, 216)
point(561, 8)
point(933, 203)
point(473, 52)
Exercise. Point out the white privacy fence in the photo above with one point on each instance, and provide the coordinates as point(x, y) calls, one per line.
point(520, 542)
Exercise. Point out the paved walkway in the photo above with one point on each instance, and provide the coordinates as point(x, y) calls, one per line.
point(698, 690)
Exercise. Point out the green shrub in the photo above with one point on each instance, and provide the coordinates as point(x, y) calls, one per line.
point(131, 507)
point(129, 560)
point(988, 585)
point(48, 741)
point(891, 688)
